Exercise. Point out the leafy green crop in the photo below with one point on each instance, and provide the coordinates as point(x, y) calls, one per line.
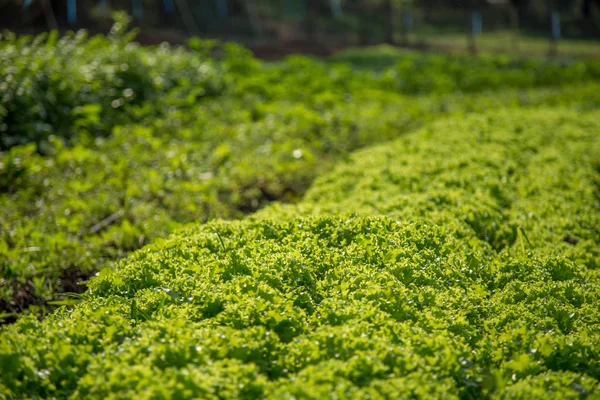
point(521, 181)
point(196, 134)
point(445, 73)
point(457, 261)
point(467, 287)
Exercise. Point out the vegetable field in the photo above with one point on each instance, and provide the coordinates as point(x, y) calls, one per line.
point(197, 223)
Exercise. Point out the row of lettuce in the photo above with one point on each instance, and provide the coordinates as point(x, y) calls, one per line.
point(459, 261)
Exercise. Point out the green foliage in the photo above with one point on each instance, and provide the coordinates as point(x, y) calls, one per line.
point(440, 301)
point(520, 181)
point(458, 261)
point(418, 73)
point(207, 132)
point(446, 73)
point(57, 86)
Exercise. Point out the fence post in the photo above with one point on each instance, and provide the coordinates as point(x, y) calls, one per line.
point(169, 6)
point(336, 8)
point(407, 24)
point(222, 10)
point(476, 28)
point(555, 20)
point(138, 9)
point(72, 11)
point(103, 5)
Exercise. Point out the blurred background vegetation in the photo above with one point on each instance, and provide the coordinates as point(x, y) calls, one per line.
point(272, 28)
